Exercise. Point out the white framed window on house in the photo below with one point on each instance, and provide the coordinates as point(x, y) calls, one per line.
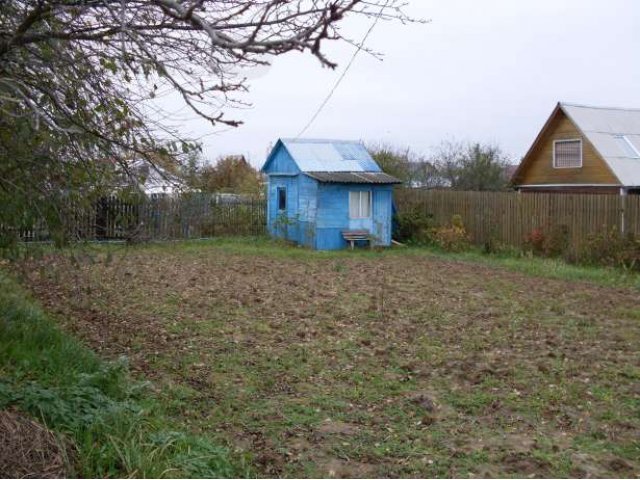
point(360, 204)
point(567, 153)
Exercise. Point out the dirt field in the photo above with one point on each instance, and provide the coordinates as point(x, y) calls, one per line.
point(367, 365)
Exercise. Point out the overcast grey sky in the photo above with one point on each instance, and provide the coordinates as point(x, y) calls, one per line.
point(487, 71)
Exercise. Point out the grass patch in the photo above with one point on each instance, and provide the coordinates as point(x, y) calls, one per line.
point(542, 267)
point(117, 428)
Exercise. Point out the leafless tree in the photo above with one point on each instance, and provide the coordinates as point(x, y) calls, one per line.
point(413, 169)
point(50, 48)
point(471, 166)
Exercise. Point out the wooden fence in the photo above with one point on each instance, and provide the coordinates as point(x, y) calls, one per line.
point(506, 217)
point(509, 217)
point(155, 218)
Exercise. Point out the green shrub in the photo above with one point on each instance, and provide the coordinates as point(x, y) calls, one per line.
point(413, 226)
point(534, 241)
point(493, 246)
point(550, 242)
point(610, 248)
point(452, 237)
point(557, 243)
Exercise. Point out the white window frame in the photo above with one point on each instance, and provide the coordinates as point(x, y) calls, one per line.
point(566, 140)
point(360, 209)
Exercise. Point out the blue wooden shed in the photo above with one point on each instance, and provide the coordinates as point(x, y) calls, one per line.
point(320, 191)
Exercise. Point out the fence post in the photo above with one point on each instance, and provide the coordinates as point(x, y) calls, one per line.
point(623, 201)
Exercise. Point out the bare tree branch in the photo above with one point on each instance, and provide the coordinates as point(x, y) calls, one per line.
point(78, 77)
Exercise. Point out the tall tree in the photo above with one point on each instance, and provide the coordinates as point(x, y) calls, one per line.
point(405, 165)
point(394, 161)
point(78, 79)
point(471, 166)
point(232, 174)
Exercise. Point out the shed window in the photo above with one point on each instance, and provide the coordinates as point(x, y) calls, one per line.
point(567, 153)
point(282, 198)
point(360, 204)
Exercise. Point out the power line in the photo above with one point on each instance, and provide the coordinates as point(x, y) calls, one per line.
point(344, 73)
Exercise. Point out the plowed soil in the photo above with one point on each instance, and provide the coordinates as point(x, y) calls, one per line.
point(364, 365)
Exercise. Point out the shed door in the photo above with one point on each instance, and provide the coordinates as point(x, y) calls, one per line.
point(360, 210)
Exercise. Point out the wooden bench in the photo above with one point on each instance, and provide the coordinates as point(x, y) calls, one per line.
point(353, 236)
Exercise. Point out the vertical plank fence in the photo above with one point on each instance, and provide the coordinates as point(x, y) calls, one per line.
point(509, 217)
point(157, 217)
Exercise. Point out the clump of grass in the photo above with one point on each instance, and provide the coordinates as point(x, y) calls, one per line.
point(117, 429)
point(542, 267)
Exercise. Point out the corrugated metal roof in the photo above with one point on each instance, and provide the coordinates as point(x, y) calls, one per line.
point(614, 133)
point(315, 155)
point(354, 177)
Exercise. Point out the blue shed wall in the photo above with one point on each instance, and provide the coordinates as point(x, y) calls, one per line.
point(282, 172)
point(307, 210)
point(333, 215)
point(383, 213)
point(283, 224)
point(297, 222)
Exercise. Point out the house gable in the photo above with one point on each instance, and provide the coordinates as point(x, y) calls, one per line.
point(537, 166)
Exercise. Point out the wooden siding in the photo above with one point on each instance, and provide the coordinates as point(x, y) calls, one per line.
point(333, 214)
point(307, 210)
point(537, 168)
point(382, 214)
point(283, 224)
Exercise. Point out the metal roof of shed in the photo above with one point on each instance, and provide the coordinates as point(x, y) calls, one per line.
point(379, 178)
point(315, 155)
point(614, 133)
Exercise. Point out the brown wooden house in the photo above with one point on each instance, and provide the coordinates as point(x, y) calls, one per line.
point(584, 149)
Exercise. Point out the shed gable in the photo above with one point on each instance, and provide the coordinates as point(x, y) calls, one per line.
point(280, 162)
point(537, 167)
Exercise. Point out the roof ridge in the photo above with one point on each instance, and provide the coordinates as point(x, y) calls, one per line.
point(604, 132)
point(319, 140)
point(597, 107)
